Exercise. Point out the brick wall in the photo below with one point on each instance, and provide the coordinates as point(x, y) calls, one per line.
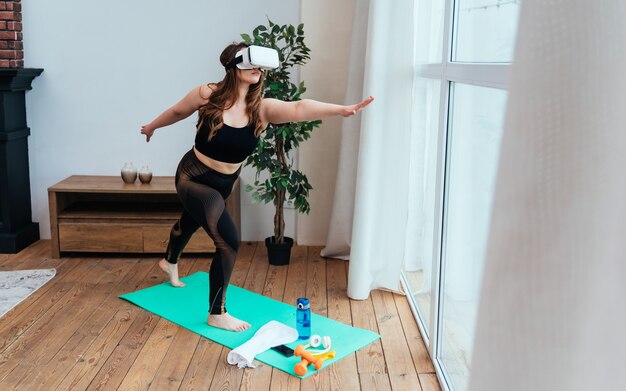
point(11, 47)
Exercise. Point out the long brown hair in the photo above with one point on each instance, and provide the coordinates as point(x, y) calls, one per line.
point(225, 93)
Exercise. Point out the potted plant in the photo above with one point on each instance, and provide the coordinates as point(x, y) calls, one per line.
point(272, 156)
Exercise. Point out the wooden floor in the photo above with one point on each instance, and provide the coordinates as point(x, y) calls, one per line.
point(75, 334)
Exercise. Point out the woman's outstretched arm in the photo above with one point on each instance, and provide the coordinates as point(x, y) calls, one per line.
point(278, 112)
point(181, 110)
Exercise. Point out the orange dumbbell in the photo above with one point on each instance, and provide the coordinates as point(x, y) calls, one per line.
point(307, 358)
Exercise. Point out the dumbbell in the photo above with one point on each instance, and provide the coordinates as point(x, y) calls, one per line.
point(307, 358)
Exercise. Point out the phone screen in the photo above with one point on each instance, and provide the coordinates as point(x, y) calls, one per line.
point(284, 350)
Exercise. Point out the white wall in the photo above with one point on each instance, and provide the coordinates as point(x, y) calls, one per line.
point(112, 66)
point(328, 26)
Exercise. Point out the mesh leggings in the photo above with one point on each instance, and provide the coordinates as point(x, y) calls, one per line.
point(202, 192)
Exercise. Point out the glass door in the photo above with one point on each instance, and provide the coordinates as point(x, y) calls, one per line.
point(474, 132)
point(463, 53)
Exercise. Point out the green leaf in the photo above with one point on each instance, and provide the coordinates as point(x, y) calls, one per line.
point(272, 156)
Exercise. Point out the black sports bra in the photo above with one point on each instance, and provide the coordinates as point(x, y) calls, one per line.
point(229, 144)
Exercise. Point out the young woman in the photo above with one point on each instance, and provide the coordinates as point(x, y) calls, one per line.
point(231, 117)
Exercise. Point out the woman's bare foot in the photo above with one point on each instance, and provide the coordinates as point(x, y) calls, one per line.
point(171, 269)
point(227, 322)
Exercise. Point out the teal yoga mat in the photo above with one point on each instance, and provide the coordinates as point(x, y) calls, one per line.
point(188, 307)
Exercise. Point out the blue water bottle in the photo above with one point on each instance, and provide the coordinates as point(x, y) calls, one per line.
point(303, 318)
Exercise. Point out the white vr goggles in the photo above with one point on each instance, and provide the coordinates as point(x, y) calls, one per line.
point(255, 57)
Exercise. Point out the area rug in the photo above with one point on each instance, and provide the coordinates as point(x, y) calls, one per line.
point(15, 286)
point(188, 307)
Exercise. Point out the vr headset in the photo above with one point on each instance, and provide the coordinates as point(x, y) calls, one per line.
point(255, 57)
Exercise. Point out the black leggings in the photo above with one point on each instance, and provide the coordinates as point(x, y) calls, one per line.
point(202, 192)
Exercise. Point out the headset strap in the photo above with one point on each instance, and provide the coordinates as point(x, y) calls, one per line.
point(233, 63)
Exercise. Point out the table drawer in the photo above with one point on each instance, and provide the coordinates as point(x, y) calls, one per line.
point(155, 238)
point(102, 237)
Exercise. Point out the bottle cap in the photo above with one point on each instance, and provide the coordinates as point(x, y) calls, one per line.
point(303, 303)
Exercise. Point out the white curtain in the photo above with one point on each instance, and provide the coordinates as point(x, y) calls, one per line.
point(382, 60)
point(552, 313)
point(340, 226)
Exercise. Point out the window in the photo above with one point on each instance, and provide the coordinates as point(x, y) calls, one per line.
point(419, 248)
point(463, 54)
point(474, 132)
point(485, 30)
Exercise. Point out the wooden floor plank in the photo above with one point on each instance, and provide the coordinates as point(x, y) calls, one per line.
point(56, 368)
point(257, 378)
point(143, 370)
point(402, 373)
point(25, 258)
point(342, 372)
point(115, 368)
point(22, 317)
point(375, 381)
point(118, 364)
point(255, 280)
point(93, 358)
point(174, 365)
point(295, 287)
point(419, 352)
point(316, 283)
point(4, 258)
point(208, 355)
point(204, 356)
point(201, 368)
point(39, 258)
point(275, 289)
point(429, 382)
point(34, 259)
point(59, 334)
point(228, 377)
point(47, 334)
point(75, 334)
point(318, 299)
point(370, 359)
point(275, 281)
point(242, 264)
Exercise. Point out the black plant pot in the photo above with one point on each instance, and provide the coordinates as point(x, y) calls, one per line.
point(278, 253)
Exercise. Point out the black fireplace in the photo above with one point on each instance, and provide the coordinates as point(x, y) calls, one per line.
point(17, 230)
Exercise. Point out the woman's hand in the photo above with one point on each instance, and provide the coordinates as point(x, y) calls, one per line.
point(279, 112)
point(181, 110)
point(348, 111)
point(148, 131)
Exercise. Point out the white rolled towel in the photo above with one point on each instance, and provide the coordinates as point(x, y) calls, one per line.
point(271, 334)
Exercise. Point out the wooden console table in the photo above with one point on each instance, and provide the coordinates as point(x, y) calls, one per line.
point(103, 214)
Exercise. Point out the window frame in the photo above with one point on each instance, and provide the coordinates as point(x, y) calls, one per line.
point(493, 75)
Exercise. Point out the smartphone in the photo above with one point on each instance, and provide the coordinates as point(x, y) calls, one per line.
point(284, 350)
